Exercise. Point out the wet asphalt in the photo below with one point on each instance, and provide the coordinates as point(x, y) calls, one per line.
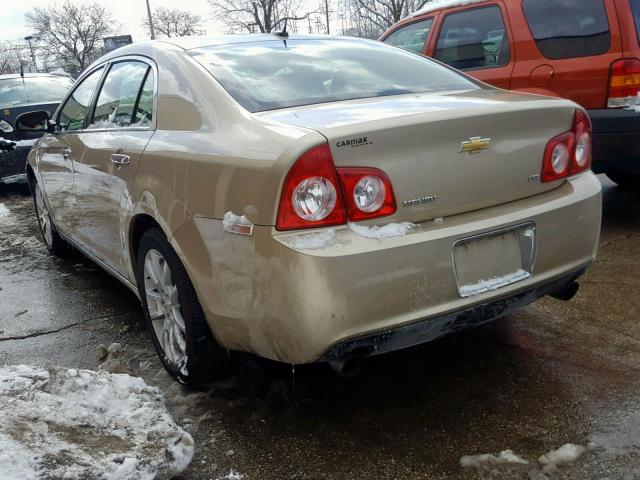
point(555, 373)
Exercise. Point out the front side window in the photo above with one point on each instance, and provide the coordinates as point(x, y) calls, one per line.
point(473, 39)
point(46, 89)
point(274, 74)
point(75, 110)
point(12, 93)
point(118, 99)
point(569, 28)
point(411, 37)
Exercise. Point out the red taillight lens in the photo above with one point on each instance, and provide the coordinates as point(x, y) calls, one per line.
point(569, 153)
point(368, 193)
point(582, 151)
point(315, 194)
point(624, 82)
point(311, 195)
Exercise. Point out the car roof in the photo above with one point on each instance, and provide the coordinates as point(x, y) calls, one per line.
point(434, 5)
point(189, 43)
point(31, 75)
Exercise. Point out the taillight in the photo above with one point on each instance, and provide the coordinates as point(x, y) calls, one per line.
point(311, 195)
point(316, 194)
point(569, 153)
point(582, 152)
point(624, 82)
point(368, 193)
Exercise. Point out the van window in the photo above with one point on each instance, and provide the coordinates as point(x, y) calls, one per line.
point(411, 37)
point(568, 28)
point(473, 39)
point(635, 6)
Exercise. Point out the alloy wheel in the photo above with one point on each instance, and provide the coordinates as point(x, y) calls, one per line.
point(43, 217)
point(164, 308)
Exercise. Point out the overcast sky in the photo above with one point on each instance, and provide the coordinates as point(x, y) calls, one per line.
point(130, 14)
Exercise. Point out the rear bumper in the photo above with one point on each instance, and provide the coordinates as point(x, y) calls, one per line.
point(432, 328)
point(288, 297)
point(616, 140)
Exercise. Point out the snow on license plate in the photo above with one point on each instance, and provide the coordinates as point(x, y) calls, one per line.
point(486, 263)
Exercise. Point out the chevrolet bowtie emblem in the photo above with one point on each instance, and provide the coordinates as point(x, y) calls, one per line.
point(474, 145)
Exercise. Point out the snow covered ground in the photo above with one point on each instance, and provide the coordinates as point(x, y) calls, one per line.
point(76, 424)
point(4, 211)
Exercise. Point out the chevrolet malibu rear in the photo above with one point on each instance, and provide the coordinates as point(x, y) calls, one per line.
point(331, 199)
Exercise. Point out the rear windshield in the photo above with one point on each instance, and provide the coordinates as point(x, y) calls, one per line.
point(33, 90)
point(635, 6)
point(276, 74)
point(569, 28)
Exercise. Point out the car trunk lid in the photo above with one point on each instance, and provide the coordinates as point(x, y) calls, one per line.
point(426, 143)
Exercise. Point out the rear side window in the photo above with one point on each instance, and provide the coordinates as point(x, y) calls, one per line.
point(473, 39)
point(118, 100)
point(635, 6)
point(411, 37)
point(75, 110)
point(569, 28)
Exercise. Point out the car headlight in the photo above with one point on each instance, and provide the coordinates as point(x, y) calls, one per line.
point(5, 126)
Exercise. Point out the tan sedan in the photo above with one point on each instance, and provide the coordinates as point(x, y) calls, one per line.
point(313, 198)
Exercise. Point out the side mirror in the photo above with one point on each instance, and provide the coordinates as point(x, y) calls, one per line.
point(37, 121)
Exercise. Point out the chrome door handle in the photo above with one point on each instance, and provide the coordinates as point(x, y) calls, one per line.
point(67, 152)
point(120, 159)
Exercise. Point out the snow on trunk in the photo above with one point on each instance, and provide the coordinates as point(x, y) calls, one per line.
point(59, 423)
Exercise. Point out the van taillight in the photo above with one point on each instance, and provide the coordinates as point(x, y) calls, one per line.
point(624, 82)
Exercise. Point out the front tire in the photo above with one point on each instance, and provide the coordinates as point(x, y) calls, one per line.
point(174, 316)
point(53, 241)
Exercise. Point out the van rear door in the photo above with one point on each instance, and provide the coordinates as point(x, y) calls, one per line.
point(567, 49)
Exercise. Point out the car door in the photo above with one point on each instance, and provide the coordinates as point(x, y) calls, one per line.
point(567, 49)
point(122, 123)
point(60, 149)
point(478, 42)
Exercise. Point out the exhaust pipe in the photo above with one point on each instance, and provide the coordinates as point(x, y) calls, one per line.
point(348, 367)
point(567, 292)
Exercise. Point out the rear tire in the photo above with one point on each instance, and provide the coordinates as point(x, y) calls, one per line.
point(52, 240)
point(625, 180)
point(174, 316)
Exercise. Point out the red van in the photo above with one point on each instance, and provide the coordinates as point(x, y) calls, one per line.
point(585, 50)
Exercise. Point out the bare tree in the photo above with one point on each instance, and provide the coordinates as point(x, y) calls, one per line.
point(263, 16)
point(11, 57)
point(370, 18)
point(173, 22)
point(71, 32)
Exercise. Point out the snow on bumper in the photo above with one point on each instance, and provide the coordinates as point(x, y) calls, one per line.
point(291, 296)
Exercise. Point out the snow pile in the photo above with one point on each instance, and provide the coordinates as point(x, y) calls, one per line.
point(4, 211)
point(386, 231)
point(59, 423)
point(548, 463)
point(504, 457)
point(233, 475)
point(438, 4)
point(565, 455)
point(25, 143)
point(312, 241)
point(492, 284)
point(634, 103)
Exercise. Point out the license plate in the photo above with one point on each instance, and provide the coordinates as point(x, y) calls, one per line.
point(494, 260)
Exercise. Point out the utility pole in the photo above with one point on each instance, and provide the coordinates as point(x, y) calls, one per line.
point(33, 56)
point(153, 33)
point(326, 11)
